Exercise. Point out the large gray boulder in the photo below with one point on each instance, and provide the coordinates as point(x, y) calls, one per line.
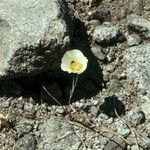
point(33, 36)
point(138, 66)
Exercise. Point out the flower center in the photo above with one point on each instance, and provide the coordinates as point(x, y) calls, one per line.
point(75, 66)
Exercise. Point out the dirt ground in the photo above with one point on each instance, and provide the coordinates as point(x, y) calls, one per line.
point(107, 111)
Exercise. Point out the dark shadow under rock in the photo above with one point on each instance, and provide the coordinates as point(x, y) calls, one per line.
point(10, 88)
point(91, 81)
point(111, 104)
point(58, 83)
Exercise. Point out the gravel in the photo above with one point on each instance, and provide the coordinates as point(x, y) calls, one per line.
point(116, 79)
point(79, 105)
point(28, 107)
point(115, 144)
point(147, 7)
point(101, 15)
point(23, 128)
point(144, 142)
point(96, 50)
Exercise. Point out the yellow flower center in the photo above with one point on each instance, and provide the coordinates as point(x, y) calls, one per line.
point(75, 66)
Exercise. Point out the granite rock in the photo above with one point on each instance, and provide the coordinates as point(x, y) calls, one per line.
point(52, 133)
point(138, 62)
point(103, 33)
point(139, 24)
point(33, 36)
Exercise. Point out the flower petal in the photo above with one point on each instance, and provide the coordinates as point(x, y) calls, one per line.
point(74, 55)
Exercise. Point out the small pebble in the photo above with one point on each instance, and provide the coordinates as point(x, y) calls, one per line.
point(44, 107)
point(27, 142)
point(28, 107)
point(123, 76)
point(122, 128)
point(135, 6)
point(96, 50)
point(133, 40)
point(79, 104)
point(147, 7)
point(106, 77)
point(88, 1)
point(60, 110)
point(20, 98)
point(102, 15)
point(111, 57)
point(95, 102)
point(103, 33)
point(137, 118)
point(6, 104)
point(103, 140)
point(110, 68)
point(103, 116)
point(96, 145)
point(134, 147)
point(109, 121)
point(94, 110)
point(24, 128)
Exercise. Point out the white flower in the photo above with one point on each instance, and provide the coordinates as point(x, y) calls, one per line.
point(74, 61)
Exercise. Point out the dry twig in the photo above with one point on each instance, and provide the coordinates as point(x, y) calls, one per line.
point(81, 140)
point(60, 138)
point(57, 101)
point(100, 130)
